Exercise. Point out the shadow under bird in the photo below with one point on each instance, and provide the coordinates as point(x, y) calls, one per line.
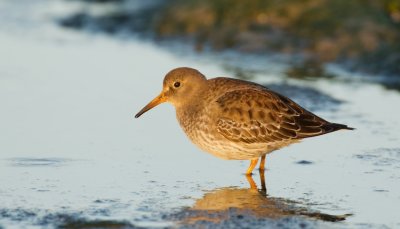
point(235, 119)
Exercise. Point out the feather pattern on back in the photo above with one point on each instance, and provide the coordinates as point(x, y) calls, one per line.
point(258, 115)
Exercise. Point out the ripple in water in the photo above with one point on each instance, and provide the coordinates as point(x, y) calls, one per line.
point(38, 162)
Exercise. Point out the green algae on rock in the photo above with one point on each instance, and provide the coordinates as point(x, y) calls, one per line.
point(362, 35)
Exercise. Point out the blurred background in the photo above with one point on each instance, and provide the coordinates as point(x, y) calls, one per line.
point(74, 72)
point(360, 36)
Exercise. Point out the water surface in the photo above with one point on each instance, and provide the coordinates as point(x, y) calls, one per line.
point(71, 152)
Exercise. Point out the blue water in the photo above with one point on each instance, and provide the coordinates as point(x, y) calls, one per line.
point(71, 151)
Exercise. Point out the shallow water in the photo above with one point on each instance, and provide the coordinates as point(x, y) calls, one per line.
point(71, 152)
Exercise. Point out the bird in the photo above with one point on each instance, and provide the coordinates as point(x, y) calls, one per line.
point(235, 119)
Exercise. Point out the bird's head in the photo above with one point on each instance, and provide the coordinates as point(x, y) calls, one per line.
point(179, 86)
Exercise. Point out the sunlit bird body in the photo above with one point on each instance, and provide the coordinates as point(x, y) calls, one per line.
point(235, 119)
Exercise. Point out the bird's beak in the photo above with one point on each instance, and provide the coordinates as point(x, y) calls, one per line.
point(157, 100)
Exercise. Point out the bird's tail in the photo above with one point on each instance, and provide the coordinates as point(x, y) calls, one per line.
point(330, 127)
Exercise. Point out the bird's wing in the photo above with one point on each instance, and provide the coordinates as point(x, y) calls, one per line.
point(260, 116)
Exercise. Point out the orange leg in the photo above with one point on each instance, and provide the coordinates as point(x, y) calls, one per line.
point(262, 163)
point(251, 182)
point(253, 164)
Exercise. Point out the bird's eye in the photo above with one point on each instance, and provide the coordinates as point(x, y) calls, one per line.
point(177, 84)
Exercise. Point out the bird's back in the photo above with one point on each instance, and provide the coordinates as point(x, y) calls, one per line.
point(244, 120)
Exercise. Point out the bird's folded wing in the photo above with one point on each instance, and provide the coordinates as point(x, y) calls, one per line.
point(259, 116)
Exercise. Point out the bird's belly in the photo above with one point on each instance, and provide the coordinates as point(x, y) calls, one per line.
point(205, 135)
point(223, 148)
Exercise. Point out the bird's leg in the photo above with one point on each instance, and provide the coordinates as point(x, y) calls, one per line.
point(251, 182)
point(253, 164)
point(262, 164)
point(262, 178)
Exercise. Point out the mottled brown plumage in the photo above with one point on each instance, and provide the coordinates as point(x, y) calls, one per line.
point(236, 119)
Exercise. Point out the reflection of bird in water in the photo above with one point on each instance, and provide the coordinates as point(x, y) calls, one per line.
point(226, 204)
point(236, 119)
